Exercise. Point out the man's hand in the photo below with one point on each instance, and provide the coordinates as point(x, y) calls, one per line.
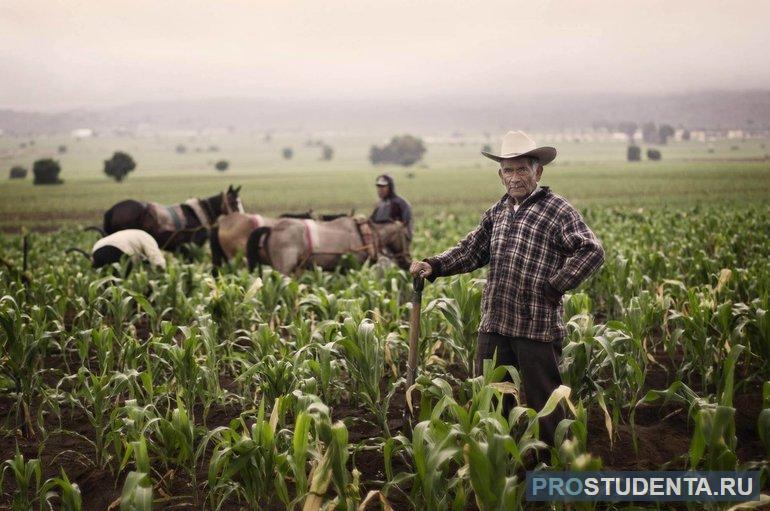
point(420, 269)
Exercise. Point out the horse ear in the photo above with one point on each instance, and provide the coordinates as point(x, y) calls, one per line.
point(237, 190)
point(229, 188)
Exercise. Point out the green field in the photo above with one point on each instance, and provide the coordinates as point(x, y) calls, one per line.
point(453, 176)
point(187, 391)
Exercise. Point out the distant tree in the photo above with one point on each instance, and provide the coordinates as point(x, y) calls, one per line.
point(686, 135)
point(46, 172)
point(119, 166)
point(327, 152)
point(487, 148)
point(405, 150)
point(665, 131)
point(18, 172)
point(181, 149)
point(213, 149)
point(650, 133)
point(629, 128)
point(62, 149)
point(222, 165)
point(287, 152)
point(634, 153)
point(653, 154)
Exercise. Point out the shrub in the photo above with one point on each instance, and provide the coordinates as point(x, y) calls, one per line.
point(18, 172)
point(487, 148)
point(222, 165)
point(119, 165)
point(653, 154)
point(634, 153)
point(327, 152)
point(181, 149)
point(62, 149)
point(405, 150)
point(287, 152)
point(46, 172)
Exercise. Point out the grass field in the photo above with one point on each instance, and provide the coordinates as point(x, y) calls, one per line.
point(453, 176)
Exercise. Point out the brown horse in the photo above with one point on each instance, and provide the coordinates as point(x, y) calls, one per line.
point(292, 244)
point(173, 226)
point(232, 232)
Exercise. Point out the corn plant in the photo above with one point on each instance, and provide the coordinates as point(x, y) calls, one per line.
point(66, 492)
point(26, 476)
point(365, 359)
point(249, 463)
point(22, 355)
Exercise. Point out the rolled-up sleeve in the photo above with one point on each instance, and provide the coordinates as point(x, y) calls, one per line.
point(470, 253)
point(585, 254)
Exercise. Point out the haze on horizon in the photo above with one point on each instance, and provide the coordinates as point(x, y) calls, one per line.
point(82, 54)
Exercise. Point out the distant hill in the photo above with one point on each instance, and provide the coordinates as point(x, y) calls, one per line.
point(715, 109)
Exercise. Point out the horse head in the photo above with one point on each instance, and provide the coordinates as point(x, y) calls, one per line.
point(231, 202)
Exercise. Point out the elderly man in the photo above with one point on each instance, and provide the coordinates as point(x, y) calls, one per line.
point(391, 206)
point(537, 247)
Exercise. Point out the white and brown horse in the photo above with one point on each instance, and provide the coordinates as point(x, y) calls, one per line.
point(293, 244)
point(173, 226)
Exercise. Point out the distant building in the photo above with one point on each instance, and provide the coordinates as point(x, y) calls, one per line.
point(82, 133)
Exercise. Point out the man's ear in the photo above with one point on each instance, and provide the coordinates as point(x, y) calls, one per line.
point(539, 173)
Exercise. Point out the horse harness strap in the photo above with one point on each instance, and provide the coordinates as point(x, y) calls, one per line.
point(256, 221)
point(369, 237)
point(203, 217)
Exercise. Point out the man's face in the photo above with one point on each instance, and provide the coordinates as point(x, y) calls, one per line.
point(383, 191)
point(519, 177)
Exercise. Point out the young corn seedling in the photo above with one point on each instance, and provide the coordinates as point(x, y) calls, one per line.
point(26, 476)
point(66, 492)
point(365, 359)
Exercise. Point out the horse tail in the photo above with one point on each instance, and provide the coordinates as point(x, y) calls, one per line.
point(95, 228)
point(217, 254)
point(79, 251)
point(253, 244)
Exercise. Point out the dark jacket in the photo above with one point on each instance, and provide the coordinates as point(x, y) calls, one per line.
point(534, 254)
point(393, 207)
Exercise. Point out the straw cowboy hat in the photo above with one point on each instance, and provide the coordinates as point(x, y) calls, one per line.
point(518, 143)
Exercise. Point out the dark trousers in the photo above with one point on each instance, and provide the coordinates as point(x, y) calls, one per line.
point(538, 365)
point(105, 255)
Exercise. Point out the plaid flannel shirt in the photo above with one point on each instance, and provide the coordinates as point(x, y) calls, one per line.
point(545, 242)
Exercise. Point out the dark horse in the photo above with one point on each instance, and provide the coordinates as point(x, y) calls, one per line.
point(173, 226)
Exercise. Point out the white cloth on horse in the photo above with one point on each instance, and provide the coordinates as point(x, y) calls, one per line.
point(203, 218)
point(134, 242)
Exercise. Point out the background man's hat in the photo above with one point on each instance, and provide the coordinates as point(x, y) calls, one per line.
point(517, 143)
point(382, 181)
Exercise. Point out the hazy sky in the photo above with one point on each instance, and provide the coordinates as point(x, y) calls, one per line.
point(67, 54)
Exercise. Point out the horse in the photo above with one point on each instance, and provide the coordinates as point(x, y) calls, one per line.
point(173, 226)
point(232, 231)
point(231, 234)
point(290, 245)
